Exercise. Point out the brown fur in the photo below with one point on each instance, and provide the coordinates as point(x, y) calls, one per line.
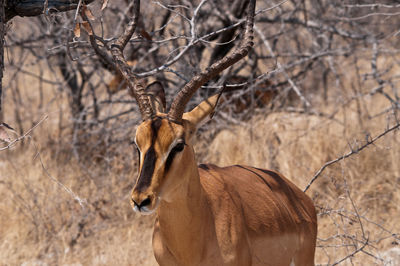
point(236, 215)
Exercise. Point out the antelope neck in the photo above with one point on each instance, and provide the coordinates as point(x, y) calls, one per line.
point(189, 197)
point(184, 218)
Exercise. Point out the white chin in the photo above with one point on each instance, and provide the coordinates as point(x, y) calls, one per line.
point(145, 211)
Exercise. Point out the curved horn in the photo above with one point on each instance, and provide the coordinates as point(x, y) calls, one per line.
point(183, 97)
point(122, 66)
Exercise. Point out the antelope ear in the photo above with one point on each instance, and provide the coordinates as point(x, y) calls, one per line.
point(156, 94)
point(203, 112)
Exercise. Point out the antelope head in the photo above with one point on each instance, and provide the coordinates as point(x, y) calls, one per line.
point(166, 154)
point(163, 138)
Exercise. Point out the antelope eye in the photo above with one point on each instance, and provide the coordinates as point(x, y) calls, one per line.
point(179, 147)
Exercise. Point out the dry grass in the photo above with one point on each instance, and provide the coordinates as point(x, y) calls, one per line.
point(42, 221)
point(43, 224)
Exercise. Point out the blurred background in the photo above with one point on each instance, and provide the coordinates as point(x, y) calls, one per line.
point(317, 97)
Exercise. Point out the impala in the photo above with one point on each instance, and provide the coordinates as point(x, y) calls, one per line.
point(208, 215)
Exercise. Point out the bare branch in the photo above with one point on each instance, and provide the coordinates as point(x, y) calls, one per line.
point(350, 153)
point(183, 97)
point(25, 135)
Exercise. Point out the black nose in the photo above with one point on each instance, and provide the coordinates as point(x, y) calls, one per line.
point(142, 204)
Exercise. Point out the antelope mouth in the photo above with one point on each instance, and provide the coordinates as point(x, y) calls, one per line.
point(147, 206)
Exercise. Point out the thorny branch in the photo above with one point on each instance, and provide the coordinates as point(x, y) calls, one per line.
point(27, 134)
point(23, 136)
point(356, 150)
point(82, 202)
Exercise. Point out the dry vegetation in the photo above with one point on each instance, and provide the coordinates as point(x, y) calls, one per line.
point(43, 223)
point(65, 188)
point(57, 210)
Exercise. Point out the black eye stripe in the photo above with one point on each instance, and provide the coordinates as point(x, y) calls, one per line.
point(146, 174)
point(150, 157)
point(149, 160)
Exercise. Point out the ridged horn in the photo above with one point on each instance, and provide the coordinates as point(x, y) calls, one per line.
point(117, 49)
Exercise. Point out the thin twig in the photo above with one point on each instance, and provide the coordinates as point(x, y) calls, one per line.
point(369, 142)
point(25, 135)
